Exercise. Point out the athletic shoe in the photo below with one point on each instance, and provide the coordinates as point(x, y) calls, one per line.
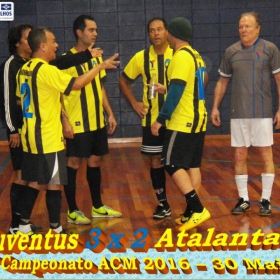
point(241, 207)
point(105, 212)
point(182, 220)
point(64, 231)
point(35, 228)
point(28, 233)
point(161, 212)
point(13, 230)
point(59, 230)
point(77, 217)
point(265, 208)
point(25, 229)
point(195, 220)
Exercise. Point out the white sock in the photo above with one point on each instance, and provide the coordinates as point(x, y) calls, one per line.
point(241, 183)
point(267, 183)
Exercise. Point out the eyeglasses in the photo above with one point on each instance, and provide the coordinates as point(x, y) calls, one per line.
point(154, 30)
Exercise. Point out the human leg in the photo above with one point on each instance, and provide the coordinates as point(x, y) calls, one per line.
point(17, 191)
point(94, 180)
point(195, 213)
point(31, 194)
point(195, 176)
point(262, 138)
point(53, 203)
point(241, 180)
point(98, 148)
point(267, 180)
point(152, 147)
point(158, 178)
point(76, 149)
point(181, 152)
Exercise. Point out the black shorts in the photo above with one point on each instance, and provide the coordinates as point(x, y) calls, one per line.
point(152, 145)
point(44, 168)
point(183, 149)
point(16, 157)
point(87, 144)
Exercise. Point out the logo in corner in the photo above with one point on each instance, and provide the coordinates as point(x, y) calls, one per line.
point(7, 11)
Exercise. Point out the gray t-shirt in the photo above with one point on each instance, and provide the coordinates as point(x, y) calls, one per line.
point(251, 69)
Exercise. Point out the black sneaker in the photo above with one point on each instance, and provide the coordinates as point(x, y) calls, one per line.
point(241, 207)
point(265, 208)
point(161, 212)
point(35, 228)
point(64, 231)
point(13, 230)
point(60, 230)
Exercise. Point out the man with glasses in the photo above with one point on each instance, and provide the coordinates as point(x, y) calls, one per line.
point(152, 61)
point(250, 63)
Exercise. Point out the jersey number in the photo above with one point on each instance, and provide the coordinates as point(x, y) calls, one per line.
point(25, 90)
point(200, 74)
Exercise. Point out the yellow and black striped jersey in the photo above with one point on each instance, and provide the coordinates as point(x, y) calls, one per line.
point(39, 86)
point(187, 67)
point(85, 110)
point(146, 63)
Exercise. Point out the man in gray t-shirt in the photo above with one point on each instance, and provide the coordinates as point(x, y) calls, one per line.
point(250, 63)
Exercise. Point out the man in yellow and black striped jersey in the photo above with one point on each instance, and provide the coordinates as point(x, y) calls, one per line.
point(39, 87)
point(87, 135)
point(20, 54)
point(149, 62)
point(185, 111)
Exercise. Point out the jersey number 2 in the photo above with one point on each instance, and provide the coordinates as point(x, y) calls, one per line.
point(25, 90)
point(200, 74)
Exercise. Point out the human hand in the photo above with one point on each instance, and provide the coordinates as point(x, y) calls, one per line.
point(215, 117)
point(96, 52)
point(68, 131)
point(140, 109)
point(110, 63)
point(14, 140)
point(155, 128)
point(277, 120)
point(112, 124)
point(159, 88)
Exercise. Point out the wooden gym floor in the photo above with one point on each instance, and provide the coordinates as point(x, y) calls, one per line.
point(126, 186)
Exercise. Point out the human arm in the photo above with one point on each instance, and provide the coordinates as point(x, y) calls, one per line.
point(70, 60)
point(68, 130)
point(219, 93)
point(277, 115)
point(174, 95)
point(139, 107)
point(86, 78)
point(107, 107)
point(159, 88)
point(206, 80)
point(13, 113)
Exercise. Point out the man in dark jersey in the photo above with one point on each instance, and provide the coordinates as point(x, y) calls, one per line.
point(250, 63)
point(20, 54)
point(151, 61)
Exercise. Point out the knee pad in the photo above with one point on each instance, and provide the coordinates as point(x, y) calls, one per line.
point(171, 169)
